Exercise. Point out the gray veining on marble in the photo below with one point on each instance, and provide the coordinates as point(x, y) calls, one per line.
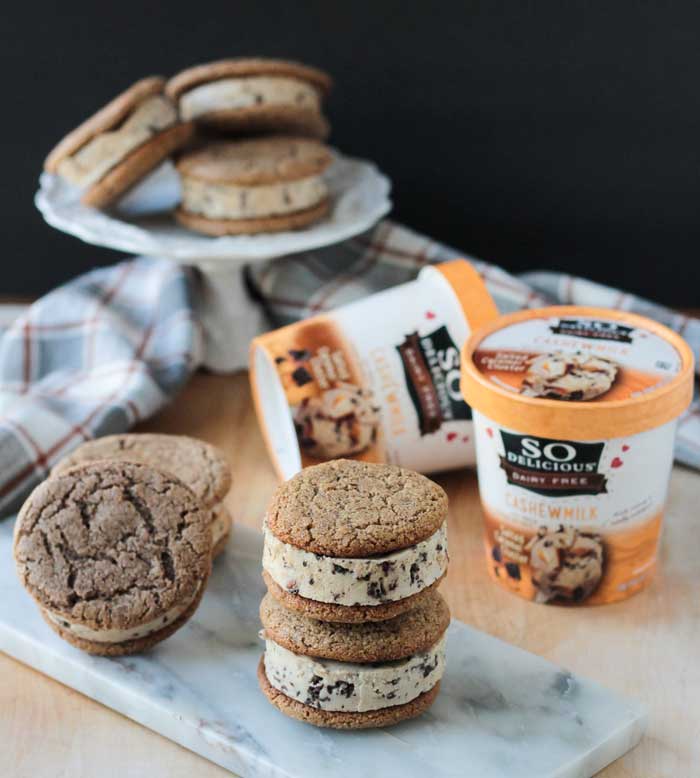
point(501, 712)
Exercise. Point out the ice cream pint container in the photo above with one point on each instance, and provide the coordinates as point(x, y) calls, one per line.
point(377, 379)
point(575, 411)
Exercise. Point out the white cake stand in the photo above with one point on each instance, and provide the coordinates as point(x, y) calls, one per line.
point(142, 224)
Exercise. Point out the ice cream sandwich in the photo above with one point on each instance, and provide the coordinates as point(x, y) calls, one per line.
point(253, 186)
point(124, 141)
point(350, 541)
point(253, 95)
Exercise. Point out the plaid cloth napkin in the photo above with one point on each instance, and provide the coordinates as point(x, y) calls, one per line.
point(91, 358)
point(113, 346)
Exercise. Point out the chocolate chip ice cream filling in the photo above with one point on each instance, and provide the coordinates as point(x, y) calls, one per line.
point(348, 686)
point(99, 155)
point(122, 635)
point(356, 581)
point(253, 91)
point(230, 201)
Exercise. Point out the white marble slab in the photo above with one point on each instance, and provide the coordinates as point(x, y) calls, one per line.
point(502, 712)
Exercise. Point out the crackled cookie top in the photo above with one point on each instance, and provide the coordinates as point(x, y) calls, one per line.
point(198, 464)
point(346, 508)
point(112, 545)
point(382, 641)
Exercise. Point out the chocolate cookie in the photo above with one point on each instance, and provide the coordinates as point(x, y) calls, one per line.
point(118, 146)
point(116, 555)
point(566, 564)
point(253, 96)
point(353, 541)
point(353, 676)
point(200, 465)
point(262, 185)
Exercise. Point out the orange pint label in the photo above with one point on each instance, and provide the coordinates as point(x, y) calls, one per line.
point(378, 379)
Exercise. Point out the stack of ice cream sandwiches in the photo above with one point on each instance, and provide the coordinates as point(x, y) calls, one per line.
point(116, 546)
point(353, 624)
point(245, 135)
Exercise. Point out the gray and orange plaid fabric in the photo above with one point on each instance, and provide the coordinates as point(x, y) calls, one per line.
point(91, 358)
point(110, 348)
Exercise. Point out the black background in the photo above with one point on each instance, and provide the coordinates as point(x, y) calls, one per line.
point(549, 134)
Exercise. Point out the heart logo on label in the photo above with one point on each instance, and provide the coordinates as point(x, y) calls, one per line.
point(489, 432)
point(429, 315)
point(451, 436)
point(617, 462)
point(625, 447)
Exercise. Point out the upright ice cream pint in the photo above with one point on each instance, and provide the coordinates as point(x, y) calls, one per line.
point(377, 380)
point(575, 411)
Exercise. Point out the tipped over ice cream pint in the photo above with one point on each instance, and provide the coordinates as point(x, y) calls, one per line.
point(351, 541)
point(377, 379)
point(253, 95)
point(573, 492)
point(117, 147)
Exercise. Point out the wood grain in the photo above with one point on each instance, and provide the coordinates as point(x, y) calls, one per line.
point(646, 647)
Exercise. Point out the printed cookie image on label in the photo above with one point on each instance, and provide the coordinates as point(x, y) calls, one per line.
point(334, 413)
point(576, 360)
point(571, 375)
point(572, 521)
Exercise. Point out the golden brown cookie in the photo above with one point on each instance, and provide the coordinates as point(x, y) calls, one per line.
point(118, 146)
point(253, 95)
point(261, 185)
point(116, 554)
point(347, 508)
point(200, 465)
point(378, 641)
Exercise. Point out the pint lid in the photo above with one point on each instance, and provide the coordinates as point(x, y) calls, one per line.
point(577, 372)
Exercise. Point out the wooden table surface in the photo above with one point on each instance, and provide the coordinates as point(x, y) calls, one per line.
point(647, 647)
